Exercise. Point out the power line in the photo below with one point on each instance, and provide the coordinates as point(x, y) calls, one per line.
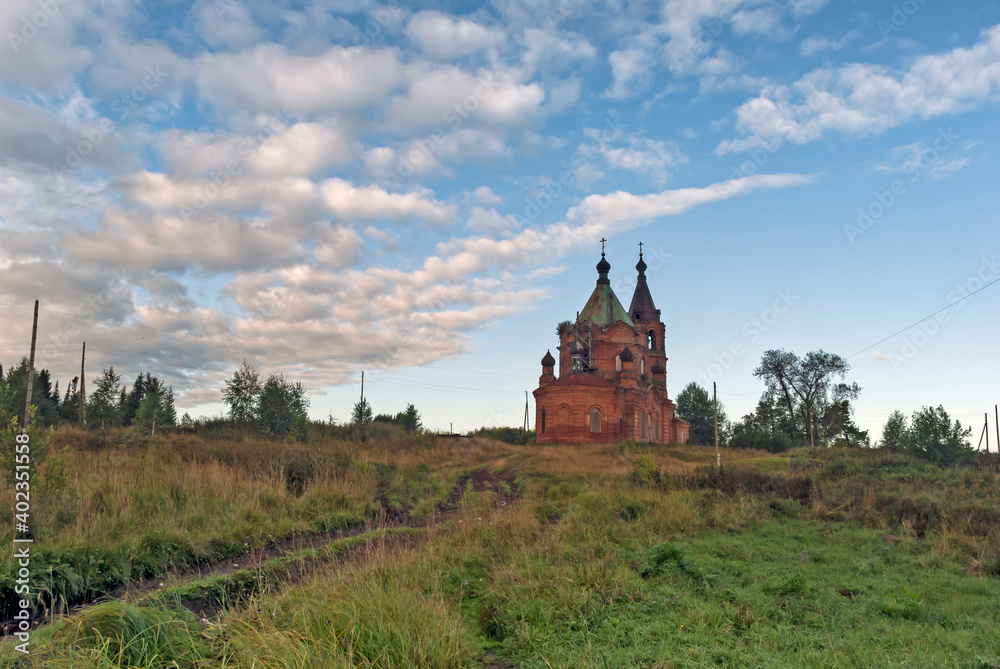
point(918, 322)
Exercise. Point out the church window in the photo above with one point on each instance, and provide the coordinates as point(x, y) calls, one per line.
point(543, 421)
point(652, 340)
point(642, 366)
point(649, 426)
point(618, 363)
point(564, 418)
point(595, 420)
point(656, 427)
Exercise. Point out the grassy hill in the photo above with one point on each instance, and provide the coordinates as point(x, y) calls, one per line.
point(214, 550)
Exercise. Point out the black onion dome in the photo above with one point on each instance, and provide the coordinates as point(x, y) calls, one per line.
point(576, 348)
point(658, 368)
point(603, 266)
point(626, 355)
point(548, 360)
point(641, 265)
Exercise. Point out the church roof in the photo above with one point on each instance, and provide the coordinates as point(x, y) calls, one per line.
point(603, 307)
point(642, 301)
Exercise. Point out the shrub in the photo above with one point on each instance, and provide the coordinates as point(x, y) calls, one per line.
point(646, 471)
point(666, 558)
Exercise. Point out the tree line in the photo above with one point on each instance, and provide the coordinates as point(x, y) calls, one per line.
point(273, 406)
point(807, 402)
point(278, 408)
point(148, 403)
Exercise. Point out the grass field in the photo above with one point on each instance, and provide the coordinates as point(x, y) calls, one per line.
point(404, 551)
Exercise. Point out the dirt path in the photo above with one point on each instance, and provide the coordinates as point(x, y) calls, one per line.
point(479, 480)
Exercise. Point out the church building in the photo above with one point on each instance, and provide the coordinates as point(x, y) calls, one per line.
point(612, 382)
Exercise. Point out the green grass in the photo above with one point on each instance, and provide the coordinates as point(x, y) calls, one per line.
point(872, 561)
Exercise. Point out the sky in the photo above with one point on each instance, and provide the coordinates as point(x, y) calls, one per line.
point(418, 192)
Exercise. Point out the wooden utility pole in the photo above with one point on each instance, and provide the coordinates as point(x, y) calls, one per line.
point(362, 387)
point(83, 393)
point(986, 426)
point(525, 411)
point(715, 408)
point(31, 369)
point(996, 417)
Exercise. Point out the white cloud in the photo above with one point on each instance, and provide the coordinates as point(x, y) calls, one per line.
point(338, 248)
point(621, 209)
point(563, 95)
point(445, 37)
point(226, 24)
point(267, 77)
point(43, 55)
point(486, 196)
point(134, 74)
point(71, 138)
point(631, 69)
point(372, 203)
point(274, 149)
point(764, 21)
point(550, 49)
point(595, 216)
point(802, 8)
point(648, 157)
point(917, 159)
point(692, 28)
point(431, 156)
point(491, 222)
point(815, 44)
point(140, 241)
point(645, 156)
point(447, 97)
point(722, 72)
point(860, 99)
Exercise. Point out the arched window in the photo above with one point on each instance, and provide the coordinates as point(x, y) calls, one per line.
point(649, 426)
point(618, 363)
point(564, 418)
point(642, 366)
point(595, 420)
point(543, 422)
point(656, 427)
point(652, 339)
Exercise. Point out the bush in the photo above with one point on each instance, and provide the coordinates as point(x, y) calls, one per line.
point(646, 471)
point(666, 558)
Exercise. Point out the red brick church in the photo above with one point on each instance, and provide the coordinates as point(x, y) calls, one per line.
point(612, 382)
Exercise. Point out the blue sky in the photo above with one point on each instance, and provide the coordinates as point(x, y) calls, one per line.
point(329, 187)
